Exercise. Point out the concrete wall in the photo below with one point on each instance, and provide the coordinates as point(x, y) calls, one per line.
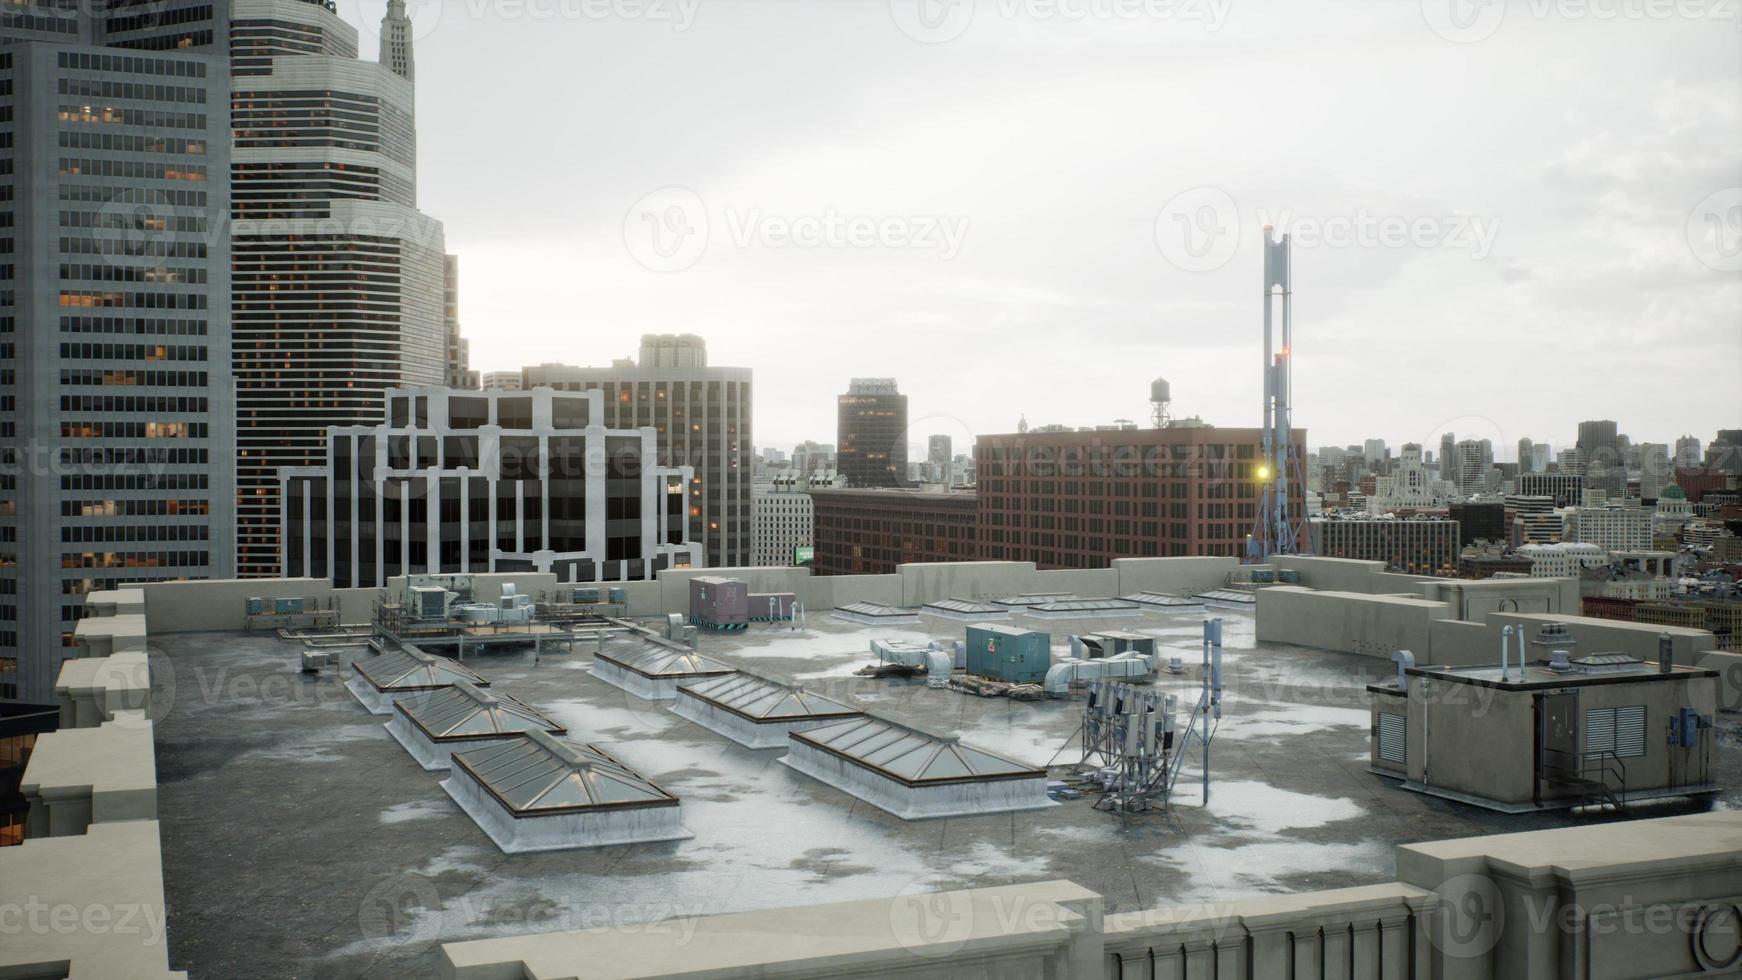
point(1474, 600)
point(217, 605)
point(1537, 904)
point(1173, 576)
point(1347, 622)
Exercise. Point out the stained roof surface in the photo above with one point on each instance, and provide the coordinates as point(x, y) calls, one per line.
point(766, 700)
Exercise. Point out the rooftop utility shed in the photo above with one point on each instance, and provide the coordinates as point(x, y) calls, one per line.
point(757, 712)
point(914, 774)
point(434, 726)
point(1606, 729)
point(652, 668)
point(719, 603)
point(536, 793)
point(379, 681)
point(1008, 653)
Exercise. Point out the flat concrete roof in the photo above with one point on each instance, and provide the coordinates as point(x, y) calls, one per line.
point(301, 840)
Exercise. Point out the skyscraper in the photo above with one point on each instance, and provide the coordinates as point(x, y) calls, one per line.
point(872, 434)
point(702, 418)
point(339, 281)
point(1448, 446)
point(115, 390)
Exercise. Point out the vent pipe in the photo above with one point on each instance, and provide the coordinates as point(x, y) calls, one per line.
point(1506, 641)
point(1665, 653)
point(1404, 660)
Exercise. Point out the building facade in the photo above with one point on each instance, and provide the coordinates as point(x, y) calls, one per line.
point(1612, 528)
point(1082, 499)
point(702, 417)
point(1416, 546)
point(339, 281)
point(486, 481)
point(116, 412)
point(872, 434)
point(1567, 489)
point(870, 531)
point(783, 518)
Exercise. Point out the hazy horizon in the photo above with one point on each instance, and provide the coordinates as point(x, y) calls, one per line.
point(1506, 222)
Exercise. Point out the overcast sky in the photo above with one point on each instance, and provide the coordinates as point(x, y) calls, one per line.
point(1508, 218)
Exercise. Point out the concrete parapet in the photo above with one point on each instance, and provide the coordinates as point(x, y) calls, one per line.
point(90, 690)
point(77, 777)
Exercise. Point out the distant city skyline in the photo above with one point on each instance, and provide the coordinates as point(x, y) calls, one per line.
point(1060, 144)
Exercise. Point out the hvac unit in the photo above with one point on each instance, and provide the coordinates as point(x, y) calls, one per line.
point(287, 607)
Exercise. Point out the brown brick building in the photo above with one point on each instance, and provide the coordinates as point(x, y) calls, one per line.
point(1082, 499)
point(870, 531)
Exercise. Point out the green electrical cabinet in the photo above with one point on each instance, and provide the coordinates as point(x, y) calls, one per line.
point(1005, 653)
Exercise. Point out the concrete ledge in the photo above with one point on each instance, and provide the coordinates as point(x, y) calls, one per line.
point(104, 636)
point(109, 883)
point(1044, 929)
point(116, 602)
point(77, 777)
point(90, 690)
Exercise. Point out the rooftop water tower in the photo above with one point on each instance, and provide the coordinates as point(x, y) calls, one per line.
point(1160, 396)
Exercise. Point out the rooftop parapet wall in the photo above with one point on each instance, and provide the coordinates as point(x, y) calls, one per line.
point(113, 876)
point(103, 636)
point(217, 605)
point(1348, 622)
point(112, 602)
point(1042, 929)
point(1552, 903)
point(77, 777)
point(90, 690)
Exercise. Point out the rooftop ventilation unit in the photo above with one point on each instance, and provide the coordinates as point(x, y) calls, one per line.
point(757, 712)
point(378, 682)
point(536, 793)
point(914, 774)
point(434, 726)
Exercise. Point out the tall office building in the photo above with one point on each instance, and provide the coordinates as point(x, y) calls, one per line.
point(1600, 441)
point(702, 417)
point(1470, 464)
point(1448, 451)
point(460, 373)
point(872, 434)
point(1688, 451)
point(339, 282)
point(115, 389)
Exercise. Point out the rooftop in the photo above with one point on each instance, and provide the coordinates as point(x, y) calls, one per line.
point(299, 839)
